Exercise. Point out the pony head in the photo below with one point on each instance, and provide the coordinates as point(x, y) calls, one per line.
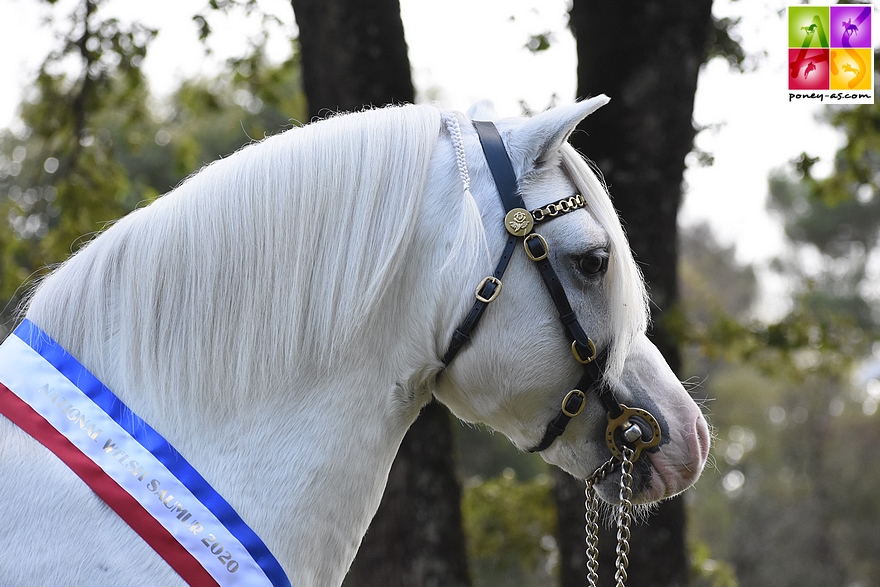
point(518, 365)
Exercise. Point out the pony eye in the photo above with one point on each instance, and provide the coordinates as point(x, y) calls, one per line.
point(593, 263)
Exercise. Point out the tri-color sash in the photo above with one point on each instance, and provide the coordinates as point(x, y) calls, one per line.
point(50, 395)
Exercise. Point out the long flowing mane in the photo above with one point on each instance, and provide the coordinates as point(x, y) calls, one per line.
point(338, 201)
point(280, 251)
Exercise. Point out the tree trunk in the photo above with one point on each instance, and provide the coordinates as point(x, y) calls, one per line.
point(354, 54)
point(646, 56)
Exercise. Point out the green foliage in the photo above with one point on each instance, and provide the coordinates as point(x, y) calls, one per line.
point(724, 43)
point(540, 42)
point(489, 454)
point(711, 279)
point(93, 148)
point(224, 6)
point(708, 572)
point(838, 217)
point(792, 497)
point(510, 527)
point(61, 178)
point(820, 336)
point(840, 214)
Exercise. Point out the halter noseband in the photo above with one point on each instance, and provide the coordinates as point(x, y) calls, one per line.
point(626, 426)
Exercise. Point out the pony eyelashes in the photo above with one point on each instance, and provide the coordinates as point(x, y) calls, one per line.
point(451, 122)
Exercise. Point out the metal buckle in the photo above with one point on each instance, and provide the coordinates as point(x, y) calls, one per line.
point(491, 298)
point(530, 237)
point(577, 355)
point(568, 396)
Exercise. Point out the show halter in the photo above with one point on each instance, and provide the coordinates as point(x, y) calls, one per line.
point(626, 426)
point(629, 431)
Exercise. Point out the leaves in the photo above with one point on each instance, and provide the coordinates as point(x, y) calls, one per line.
point(795, 445)
point(93, 149)
point(510, 525)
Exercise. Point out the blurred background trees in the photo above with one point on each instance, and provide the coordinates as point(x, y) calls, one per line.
point(640, 145)
point(791, 497)
point(795, 401)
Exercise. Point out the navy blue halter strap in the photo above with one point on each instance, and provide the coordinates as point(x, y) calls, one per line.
point(519, 224)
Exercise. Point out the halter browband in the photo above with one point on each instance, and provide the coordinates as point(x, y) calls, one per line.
point(519, 223)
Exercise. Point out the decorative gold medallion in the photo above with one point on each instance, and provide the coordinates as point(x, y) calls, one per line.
point(519, 222)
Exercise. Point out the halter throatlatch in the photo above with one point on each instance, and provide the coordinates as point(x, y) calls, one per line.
point(630, 428)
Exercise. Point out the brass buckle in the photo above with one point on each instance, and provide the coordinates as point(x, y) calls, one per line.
point(543, 242)
point(577, 355)
point(491, 298)
point(568, 396)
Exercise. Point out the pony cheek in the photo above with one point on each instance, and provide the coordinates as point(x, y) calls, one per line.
point(467, 392)
point(507, 388)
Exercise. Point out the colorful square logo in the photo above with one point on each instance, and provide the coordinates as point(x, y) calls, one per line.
point(830, 53)
point(850, 26)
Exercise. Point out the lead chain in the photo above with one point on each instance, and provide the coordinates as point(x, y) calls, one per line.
point(592, 535)
point(624, 515)
point(624, 518)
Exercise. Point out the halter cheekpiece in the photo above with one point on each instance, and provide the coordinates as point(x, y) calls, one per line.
point(630, 428)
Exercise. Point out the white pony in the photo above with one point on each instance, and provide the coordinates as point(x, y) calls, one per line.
point(281, 316)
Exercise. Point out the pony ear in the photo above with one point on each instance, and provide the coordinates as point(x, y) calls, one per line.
point(540, 137)
point(482, 110)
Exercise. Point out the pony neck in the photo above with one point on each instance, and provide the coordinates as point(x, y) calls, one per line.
point(286, 367)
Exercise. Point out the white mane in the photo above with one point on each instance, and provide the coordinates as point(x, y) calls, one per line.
point(277, 255)
point(284, 250)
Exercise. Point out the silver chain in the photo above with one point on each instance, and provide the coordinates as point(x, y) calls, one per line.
point(624, 515)
point(624, 518)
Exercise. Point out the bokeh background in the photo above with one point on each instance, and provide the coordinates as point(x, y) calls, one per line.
point(756, 222)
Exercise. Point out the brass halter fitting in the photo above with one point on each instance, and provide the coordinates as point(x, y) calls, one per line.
point(540, 254)
point(519, 222)
point(494, 281)
point(577, 355)
point(579, 398)
point(631, 422)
